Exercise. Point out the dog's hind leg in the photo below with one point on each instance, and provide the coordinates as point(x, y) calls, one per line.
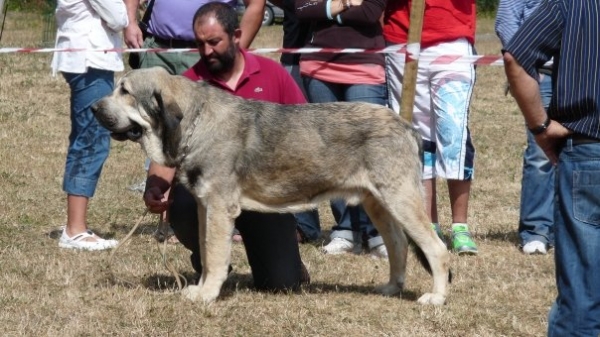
point(406, 206)
point(395, 242)
point(215, 228)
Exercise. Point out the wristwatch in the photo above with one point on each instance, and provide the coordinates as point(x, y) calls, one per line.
point(540, 128)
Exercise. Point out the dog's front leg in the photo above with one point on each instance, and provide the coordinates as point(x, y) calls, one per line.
point(215, 227)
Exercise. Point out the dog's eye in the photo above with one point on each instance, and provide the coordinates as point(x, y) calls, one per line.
point(134, 133)
point(123, 90)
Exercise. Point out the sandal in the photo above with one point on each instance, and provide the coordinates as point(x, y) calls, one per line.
point(79, 241)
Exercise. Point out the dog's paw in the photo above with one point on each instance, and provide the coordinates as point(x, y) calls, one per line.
point(432, 299)
point(389, 289)
point(192, 293)
point(208, 295)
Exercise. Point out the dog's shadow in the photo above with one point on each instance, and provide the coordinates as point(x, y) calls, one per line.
point(162, 283)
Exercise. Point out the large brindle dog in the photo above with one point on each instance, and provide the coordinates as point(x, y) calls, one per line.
point(235, 154)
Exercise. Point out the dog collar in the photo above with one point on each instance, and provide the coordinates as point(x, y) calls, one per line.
point(187, 137)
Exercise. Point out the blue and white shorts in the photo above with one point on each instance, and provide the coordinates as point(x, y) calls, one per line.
point(441, 111)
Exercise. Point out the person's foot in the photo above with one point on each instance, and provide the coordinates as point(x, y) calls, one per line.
point(305, 277)
point(462, 242)
point(338, 246)
point(165, 233)
point(138, 187)
point(535, 247)
point(85, 241)
point(438, 230)
point(379, 252)
point(300, 236)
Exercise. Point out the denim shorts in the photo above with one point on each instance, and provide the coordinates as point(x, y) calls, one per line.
point(89, 142)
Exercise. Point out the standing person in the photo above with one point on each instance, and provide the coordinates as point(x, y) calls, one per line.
point(86, 24)
point(295, 34)
point(355, 77)
point(169, 26)
point(569, 133)
point(442, 98)
point(269, 238)
point(537, 183)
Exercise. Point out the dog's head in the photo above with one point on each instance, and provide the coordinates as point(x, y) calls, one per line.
point(143, 108)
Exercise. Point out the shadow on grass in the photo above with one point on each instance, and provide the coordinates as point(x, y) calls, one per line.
point(500, 236)
point(165, 283)
point(56, 233)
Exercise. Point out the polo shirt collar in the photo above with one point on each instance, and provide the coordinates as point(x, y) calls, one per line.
point(251, 66)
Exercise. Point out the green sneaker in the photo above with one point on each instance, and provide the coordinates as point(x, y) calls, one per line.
point(462, 243)
point(438, 230)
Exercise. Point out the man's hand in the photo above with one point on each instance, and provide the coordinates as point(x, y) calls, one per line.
point(155, 200)
point(551, 139)
point(132, 34)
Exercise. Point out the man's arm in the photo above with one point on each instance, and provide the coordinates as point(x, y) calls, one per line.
point(158, 185)
point(508, 19)
point(526, 91)
point(113, 13)
point(133, 34)
point(251, 21)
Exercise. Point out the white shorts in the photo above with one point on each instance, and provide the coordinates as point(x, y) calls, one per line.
point(441, 112)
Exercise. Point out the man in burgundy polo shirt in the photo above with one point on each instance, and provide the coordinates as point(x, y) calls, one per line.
point(269, 238)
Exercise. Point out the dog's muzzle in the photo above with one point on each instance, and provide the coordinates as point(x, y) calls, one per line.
point(132, 132)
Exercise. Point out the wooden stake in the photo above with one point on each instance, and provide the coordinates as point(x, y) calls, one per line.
point(411, 65)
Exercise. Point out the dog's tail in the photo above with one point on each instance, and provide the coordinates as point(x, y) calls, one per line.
point(423, 259)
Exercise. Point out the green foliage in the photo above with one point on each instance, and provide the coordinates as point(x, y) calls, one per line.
point(31, 6)
point(487, 7)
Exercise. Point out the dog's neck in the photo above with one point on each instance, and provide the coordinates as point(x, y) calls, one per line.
point(186, 139)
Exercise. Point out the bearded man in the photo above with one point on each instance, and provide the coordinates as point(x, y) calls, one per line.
point(269, 238)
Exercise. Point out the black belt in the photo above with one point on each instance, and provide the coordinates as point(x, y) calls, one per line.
point(172, 43)
point(579, 139)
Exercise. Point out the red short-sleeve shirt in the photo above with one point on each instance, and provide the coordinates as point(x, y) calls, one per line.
point(262, 79)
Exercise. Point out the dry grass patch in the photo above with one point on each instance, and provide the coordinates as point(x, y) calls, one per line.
point(49, 291)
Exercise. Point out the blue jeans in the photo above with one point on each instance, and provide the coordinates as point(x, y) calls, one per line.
point(89, 142)
point(349, 219)
point(537, 186)
point(294, 70)
point(576, 311)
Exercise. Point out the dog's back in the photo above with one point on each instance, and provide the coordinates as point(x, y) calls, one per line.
point(324, 146)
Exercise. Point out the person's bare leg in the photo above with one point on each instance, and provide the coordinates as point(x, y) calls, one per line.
point(459, 191)
point(77, 216)
point(431, 199)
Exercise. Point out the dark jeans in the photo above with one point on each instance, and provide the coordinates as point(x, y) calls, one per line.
point(349, 219)
point(269, 239)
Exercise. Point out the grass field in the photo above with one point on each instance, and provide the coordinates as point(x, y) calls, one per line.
point(47, 291)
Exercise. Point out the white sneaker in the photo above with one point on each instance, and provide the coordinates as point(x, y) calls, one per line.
point(78, 241)
point(534, 247)
point(379, 252)
point(338, 246)
point(139, 187)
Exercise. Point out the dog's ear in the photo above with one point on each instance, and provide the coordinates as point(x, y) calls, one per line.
point(170, 116)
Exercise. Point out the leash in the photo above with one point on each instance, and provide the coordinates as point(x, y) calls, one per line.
point(166, 262)
point(162, 250)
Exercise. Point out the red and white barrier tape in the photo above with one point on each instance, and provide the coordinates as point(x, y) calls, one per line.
point(488, 60)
